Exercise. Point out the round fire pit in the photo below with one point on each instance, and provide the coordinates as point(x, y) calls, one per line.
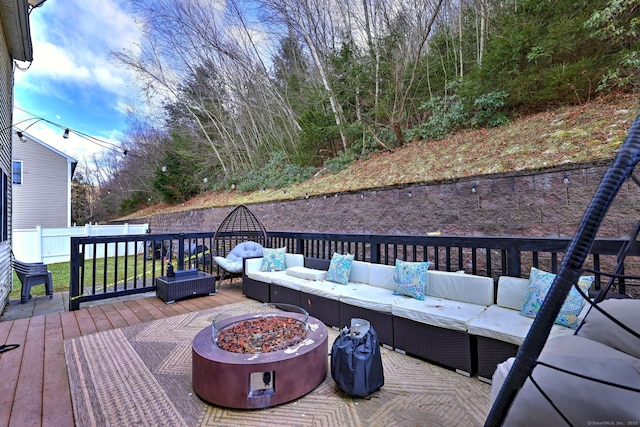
point(258, 359)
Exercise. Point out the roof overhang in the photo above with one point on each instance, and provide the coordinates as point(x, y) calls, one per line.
point(15, 19)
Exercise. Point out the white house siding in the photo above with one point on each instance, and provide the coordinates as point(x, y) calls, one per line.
point(44, 197)
point(6, 116)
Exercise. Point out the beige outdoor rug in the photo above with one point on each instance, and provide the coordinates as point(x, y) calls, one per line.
point(141, 375)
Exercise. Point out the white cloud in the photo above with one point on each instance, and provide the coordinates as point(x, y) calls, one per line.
point(72, 68)
point(72, 40)
point(107, 79)
point(66, 66)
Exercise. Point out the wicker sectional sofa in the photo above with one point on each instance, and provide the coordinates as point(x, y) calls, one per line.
point(500, 329)
point(459, 324)
point(434, 329)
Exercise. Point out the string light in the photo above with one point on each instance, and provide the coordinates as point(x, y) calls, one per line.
point(67, 131)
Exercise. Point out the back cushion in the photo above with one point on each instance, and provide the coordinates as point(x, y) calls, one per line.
point(460, 287)
point(359, 272)
point(252, 264)
point(598, 327)
point(511, 292)
point(294, 260)
point(381, 276)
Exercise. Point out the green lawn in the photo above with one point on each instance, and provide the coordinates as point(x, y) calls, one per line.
point(61, 274)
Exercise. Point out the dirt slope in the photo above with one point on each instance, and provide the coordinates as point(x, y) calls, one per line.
point(589, 132)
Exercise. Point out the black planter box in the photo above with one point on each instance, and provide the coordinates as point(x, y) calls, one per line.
point(185, 283)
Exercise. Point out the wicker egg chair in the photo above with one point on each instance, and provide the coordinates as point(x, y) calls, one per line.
point(551, 382)
point(239, 226)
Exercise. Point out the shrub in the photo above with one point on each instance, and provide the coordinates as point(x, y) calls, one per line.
point(488, 110)
point(277, 173)
point(343, 160)
point(445, 114)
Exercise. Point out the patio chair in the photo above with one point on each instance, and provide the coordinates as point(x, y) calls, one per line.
point(533, 345)
point(232, 264)
point(239, 226)
point(32, 274)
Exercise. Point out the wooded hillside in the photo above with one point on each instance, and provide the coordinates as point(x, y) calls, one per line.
point(259, 96)
point(566, 137)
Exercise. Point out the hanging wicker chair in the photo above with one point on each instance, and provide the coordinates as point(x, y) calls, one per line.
point(240, 226)
point(533, 353)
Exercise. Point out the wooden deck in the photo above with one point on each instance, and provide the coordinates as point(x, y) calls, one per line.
point(34, 382)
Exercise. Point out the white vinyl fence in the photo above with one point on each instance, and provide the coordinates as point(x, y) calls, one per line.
point(51, 245)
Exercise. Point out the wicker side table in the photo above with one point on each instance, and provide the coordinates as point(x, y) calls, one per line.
point(185, 284)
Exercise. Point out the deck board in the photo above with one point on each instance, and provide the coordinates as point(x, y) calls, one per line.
point(69, 324)
point(114, 316)
point(85, 322)
point(35, 390)
point(128, 315)
point(10, 363)
point(99, 318)
point(27, 403)
point(140, 312)
point(55, 412)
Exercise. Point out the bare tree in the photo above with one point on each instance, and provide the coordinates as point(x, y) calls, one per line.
point(313, 22)
point(182, 38)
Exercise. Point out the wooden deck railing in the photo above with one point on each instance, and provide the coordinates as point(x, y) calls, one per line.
point(105, 267)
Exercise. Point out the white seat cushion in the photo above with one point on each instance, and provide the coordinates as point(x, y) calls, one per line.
point(369, 297)
point(265, 276)
point(306, 273)
point(289, 281)
point(325, 289)
point(505, 324)
point(439, 312)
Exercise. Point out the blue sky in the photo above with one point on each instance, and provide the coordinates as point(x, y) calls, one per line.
point(72, 81)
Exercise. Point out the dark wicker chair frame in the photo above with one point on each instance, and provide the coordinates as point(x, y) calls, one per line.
point(240, 225)
point(325, 309)
point(569, 272)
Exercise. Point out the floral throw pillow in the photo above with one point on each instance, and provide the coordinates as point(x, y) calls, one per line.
point(410, 279)
point(539, 284)
point(273, 259)
point(339, 268)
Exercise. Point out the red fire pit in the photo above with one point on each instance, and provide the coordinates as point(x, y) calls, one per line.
point(277, 366)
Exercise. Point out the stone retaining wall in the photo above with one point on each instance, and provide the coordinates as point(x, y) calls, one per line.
point(527, 204)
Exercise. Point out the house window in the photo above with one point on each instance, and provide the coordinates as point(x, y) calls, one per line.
point(17, 172)
point(4, 209)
